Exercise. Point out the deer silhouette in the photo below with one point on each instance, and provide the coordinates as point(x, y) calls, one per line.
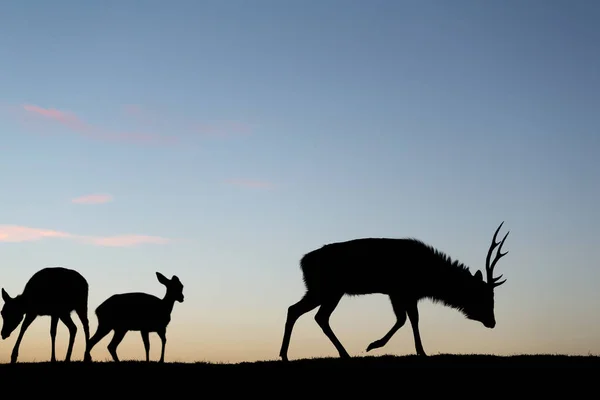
point(141, 312)
point(407, 270)
point(54, 292)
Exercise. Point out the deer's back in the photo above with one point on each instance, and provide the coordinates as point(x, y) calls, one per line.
point(55, 289)
point(369, 265)
point(133, 311)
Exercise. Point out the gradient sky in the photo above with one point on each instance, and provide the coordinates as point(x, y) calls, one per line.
point(222, 140)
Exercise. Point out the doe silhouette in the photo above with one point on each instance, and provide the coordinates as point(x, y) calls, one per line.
point(54, 292)
point(407, 270)
point(141, 312)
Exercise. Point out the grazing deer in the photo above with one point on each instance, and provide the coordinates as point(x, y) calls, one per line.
point(137, 312)
point(52, 291)
point(407, 270)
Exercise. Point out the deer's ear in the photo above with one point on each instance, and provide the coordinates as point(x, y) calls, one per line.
point(162, 279)
point(5, 296)
point(478, 275)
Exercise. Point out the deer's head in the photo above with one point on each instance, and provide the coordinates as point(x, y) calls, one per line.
point(12, 314)
point(173, 285)
point(482, 309)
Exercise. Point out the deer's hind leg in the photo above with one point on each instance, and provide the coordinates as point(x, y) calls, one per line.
point(114, 343)
point(83, 317)
point(322, 318)
point(102, 330)
point(308, 303)
point(400, 312)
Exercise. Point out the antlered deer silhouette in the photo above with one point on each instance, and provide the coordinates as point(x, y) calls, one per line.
point(137, 312)
point(407, 270)
point(52, 291)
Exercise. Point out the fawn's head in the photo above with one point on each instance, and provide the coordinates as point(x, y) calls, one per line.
point(12, 313)
point(482, 309)
point(173, 285)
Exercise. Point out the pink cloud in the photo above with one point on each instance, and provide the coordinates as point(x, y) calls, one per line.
point(77, 125)
point(125, 240)
point(250, 183)
point(93, 199)
point(19, 234)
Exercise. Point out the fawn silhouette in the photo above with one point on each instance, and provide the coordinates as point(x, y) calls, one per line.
point(54, 292)
point(136, 311)
point(407, 270)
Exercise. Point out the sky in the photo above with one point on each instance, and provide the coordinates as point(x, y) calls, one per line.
point(219, 141)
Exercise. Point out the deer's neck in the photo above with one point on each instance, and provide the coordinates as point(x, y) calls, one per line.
point(168, 303)
point(451, 287)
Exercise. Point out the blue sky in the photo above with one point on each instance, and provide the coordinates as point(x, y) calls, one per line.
point(245, 134)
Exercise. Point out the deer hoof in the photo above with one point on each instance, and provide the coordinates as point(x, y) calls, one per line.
point(374, 345)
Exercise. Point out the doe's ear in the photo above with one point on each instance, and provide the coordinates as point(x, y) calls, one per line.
point(162, 279)
point(478, 275)
point(5, 296)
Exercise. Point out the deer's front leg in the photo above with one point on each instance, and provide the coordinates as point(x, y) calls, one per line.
point(413, 315)
point(400, 312)
point(26, 322)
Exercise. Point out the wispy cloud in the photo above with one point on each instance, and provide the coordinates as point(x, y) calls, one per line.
point(254, 184)
point(124, 240)
point(19, 234)
point(92, 199)
point(77, 125)
point(147, 121)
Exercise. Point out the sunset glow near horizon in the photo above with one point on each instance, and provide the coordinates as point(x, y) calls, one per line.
point(219, 141)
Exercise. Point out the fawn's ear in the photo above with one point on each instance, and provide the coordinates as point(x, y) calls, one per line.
point(162, 279)
point(478, 275)
point(5, 296)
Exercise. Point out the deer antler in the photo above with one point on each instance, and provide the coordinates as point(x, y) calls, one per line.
point(489, 269)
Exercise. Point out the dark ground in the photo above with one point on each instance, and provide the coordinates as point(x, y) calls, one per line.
point(276, 379)
point(369, 362)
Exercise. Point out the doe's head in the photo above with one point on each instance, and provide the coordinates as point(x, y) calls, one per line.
point(173, 285)
point(12, 314)
point(482, 309)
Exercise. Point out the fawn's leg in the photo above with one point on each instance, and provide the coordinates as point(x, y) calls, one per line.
point(114, 343)
point(162, 333)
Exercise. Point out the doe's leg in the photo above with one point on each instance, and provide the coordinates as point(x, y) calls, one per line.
point(66, 319)
point(146, 340)
point(53, 329)
point(26, 322)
